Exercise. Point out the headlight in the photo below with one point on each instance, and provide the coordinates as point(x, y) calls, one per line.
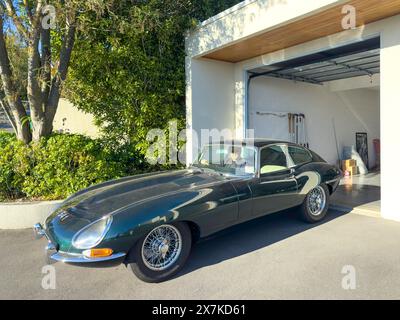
point(93, 234)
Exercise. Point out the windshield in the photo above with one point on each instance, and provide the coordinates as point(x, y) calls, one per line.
point(228, 159)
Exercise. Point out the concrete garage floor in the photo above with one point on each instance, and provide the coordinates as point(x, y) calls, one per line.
point(360, 194)
point(276, 257)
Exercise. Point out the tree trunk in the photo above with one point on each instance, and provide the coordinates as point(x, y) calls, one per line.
point(24, 132)
point(35, 97)
point(46, 63)
point(45, 128)
point(14, 100)
point(40, 129)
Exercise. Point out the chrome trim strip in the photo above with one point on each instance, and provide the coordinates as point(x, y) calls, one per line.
point(334, 180)
point(78, 258)
point(235, 197)
point(278, 181)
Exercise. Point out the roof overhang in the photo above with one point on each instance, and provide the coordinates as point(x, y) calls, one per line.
point(354, 60)
point(307, 27)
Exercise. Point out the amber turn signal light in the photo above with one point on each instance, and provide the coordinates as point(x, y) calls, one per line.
point(98, 253)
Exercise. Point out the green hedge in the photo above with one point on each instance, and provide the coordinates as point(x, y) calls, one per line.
point(59, 166)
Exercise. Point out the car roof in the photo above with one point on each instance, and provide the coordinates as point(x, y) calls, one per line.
point(259, 143)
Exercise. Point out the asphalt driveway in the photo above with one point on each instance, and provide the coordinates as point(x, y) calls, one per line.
point(276, 257)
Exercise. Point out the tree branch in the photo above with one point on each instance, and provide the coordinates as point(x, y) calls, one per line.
point(37, 15)
point(61, 75)
point(8, 112)
point(34, 90)
point(16, 19)
point(46, 64)
point(36, 22)
point(28, 10)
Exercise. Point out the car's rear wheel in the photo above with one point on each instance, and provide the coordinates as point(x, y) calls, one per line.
point(162, 253)
point(316, 204)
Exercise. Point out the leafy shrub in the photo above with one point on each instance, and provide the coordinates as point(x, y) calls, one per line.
point(6, 138)
point(58, 166)
point(62, 165)
point(10, 186)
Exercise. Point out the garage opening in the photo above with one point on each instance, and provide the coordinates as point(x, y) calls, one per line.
point(330, 102)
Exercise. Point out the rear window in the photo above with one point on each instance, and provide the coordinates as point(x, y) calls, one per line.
point(300, 155)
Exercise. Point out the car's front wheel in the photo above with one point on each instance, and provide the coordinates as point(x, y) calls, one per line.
point(316, 204)
point(162, 253)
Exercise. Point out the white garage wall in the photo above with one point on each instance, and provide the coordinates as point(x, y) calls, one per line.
point(353, 111)
point(209, 99)
point(390, 114)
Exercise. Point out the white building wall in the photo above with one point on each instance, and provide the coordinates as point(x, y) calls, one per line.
point(390, 118)
point(352, 111)
point(69, 119)
point(210, 100)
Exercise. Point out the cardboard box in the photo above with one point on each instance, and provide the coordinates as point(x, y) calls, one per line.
point(353, 171)
point(349, 163)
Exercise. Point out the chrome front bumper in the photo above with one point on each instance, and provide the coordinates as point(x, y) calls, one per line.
point(54, 255)
point(79, 258)
point(50, 249)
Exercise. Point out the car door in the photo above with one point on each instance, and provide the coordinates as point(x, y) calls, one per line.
point(276, 187)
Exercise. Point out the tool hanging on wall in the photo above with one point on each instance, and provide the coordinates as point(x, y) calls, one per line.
point(336, 140)
point(298, 129)
point(291, 128)
point(305, 132)
point(301, 134)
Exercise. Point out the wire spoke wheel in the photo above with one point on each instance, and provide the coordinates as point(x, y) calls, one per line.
point(162, 248)
point(317, 201)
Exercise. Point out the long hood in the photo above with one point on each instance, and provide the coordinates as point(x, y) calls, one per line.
point(92, 204)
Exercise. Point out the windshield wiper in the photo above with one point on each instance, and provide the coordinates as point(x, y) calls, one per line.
point(208, 170)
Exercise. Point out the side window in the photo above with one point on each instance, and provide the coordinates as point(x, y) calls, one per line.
point(272, 159)
point(299, 155)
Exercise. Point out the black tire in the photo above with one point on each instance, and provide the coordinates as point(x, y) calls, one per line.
point(305, 210)
point(146, 274)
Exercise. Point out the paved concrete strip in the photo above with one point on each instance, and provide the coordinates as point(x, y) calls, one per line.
point(357, 210)
point(277, 257)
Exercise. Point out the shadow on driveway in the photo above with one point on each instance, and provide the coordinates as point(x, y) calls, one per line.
point(248, 237)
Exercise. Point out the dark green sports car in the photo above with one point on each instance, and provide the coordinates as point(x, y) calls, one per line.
point(150, 221)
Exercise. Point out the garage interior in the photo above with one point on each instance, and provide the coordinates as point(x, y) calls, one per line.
point(329, 98)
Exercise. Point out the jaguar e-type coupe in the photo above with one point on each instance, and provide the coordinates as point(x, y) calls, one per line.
point(150, 221)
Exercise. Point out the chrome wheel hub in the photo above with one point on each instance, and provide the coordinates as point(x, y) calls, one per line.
point(317, 201)
point(162, 248)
